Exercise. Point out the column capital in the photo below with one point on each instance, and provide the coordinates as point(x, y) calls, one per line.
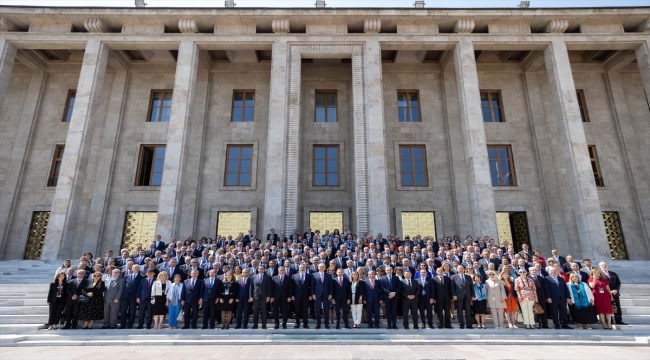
point(557, 26)
point(464, 26)
point(187, 26)
point(95, 25)
point(280, 25)
point(372, 26)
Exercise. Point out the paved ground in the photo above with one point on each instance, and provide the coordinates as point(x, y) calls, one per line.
point(328, 352)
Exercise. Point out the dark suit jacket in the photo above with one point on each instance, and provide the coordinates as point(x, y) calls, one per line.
point(567, 266)
point(211, 294)
point(301, 291)
point(442, 290)
point(614, 281)
point(243, 293)
point(556, 292)
point(161, 246)
point(144, 290)
point(413, 289)
point(73, 289)
point(284, 291)
point(131, 287)
point(372, 295)
point(177, 271)
point(583, 277)
point(361, 290)
point(271, 272)
point(51, 294)
point(193, 294)
point(260, 289)
point(539, 289)
point(319, 288)
point(341, 293)
point(460, 291)
point(188, 273)
point(429, 289)
point(387, 288)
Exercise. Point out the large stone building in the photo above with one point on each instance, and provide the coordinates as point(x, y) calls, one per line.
point(528, 125)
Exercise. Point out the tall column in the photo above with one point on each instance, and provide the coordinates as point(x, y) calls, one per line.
point(379, 220)
point(104, 174)
point(643, 59)
point(67, 197)
point(171, 190)
point(586, 206)
point(276, 140)
point(292, 152)
point(479, 183)
point(7, 60)
point(23, 137)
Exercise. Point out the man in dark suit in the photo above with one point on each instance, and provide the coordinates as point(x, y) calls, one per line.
point(159, 244)
point(301, 296)
point(321, 291)
point(74, 290)
point(193, 299)
point(371, 299)
point(409, 290)
point(144, 299)
point(245, 301)
point(390, 286)
point(462, 292)
point(130, 293)
point(567, 266)
point(556, 255)
point(541, 319)
point(425, 299)
point(442, 299)
point(211, 291)
point(194, 265)
point(260, 291)
point(615, 288)
point(557, 296)
point(575, 269)
point(282, 292)
point(341, 296)
point(112, 297)
point(174, 270)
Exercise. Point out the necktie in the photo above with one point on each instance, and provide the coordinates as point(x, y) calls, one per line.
point(557, 282)
point(132, 278)
point(462, 278)
point(390, 282)
point(322, 277)
point(110, 283)
point(211, 283)
point(281, 278)
point(408, 282)
point(372, 284)
point(259, 278)
point(149, 283)
point(193, 282)
point(340, 282)
point(302, 278)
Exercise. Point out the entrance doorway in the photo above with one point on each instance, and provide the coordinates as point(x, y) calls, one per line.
point(513, 228)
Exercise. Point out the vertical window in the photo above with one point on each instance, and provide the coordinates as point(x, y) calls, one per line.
point(326, 106)
point(160, 106)
point(239, 165)
point(69, 105)
point(582, 105)
point(408, 106)
point(502, 167)
point(243, 106)
point(326, 165)
point(491, 106)
point(152, 161)
point(595, 166)
point(413, 165)
point(56, 166)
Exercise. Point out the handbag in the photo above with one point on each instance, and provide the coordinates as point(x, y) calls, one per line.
point(83, 299)
point(538, 309)
point(614, 307)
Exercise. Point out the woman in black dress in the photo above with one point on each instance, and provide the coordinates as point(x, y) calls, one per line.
point(227, 296)
point(94, 308)
point(159, 298)
point(56, 300)
point(479, 306)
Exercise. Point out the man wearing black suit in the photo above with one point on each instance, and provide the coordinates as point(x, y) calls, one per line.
point(462, 292)
point(159, 244)
point(130, 293)
point(144, 299)
point(272, 270)
point(425, 299)
point(390, 286)
point(174, 270)
point(260, 291)
point(194, 265)
point(442, 299)
point(321, 291)
point(193, 299)
point(556, 255)
point(74, 290)
point(211, 292)
point(615, 288)
point(371, 299)
point(341, 297)
point(575, 269)
point(301, 296)
point(409, 290)
point(282, 292)
point(541, 319)
point(567, 266)
point(557, 296)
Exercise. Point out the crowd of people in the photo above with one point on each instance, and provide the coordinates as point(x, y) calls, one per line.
point(328, 278)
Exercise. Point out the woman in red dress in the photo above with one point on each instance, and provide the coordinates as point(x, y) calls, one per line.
point(602, 297)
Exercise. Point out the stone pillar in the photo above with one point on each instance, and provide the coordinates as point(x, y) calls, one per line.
point(479, 183)
point(586, 206)
point(642, 58)
point(104, 174)
point(65, 206)
point(171, 190)
point(276, 139)
point(7, 60)
point(379, 220)
point(361, 147)
point(23, 136)
point(292, 133)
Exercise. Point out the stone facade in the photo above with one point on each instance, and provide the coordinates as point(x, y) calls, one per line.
point(114, 58)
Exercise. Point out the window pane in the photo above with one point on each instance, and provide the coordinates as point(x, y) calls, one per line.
point(237, 114)
point(166, 113)
point(405, 153)
point(319, 179)
point(168, 99)
point(57, 168)
point(234, 153)
point(160, 152)
point(331, 99)
point(245, 179)
point(492, 153)
point(319, 152)
point(331, 114)
point(407, 179)
point(245, 166)
point(495, 179)
point(69, 116)
point(248, 114)
point(401, 99)
point(154, 115)
point(232, 179)
point(495, 100)
point(332, 166)
point(413, 98)
point(402, 112)
point(60, 152)
point(407, 166)
point(506, 180)
point(250, 99)
point(415, 114)
point(497, 114)
point(486, 115)
point(319, 166)
point(239, 99)
point(332, 153)
point(484, 99)
point(505, 166)
point(420, 180)
point(232, 165)
point(503, 153)
point(593, 167)
point(156, 99)
point(332, 179)
point(419, 166)
point(156, 179)
point(493, 166)
point(246, 153)
point(417, 153)
point(72, 99)
point(320, 114)
point(158, 165)
point(320, 99)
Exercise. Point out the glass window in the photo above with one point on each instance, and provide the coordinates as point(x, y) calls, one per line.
point(408, 106)
point(502, 170)
point(69, 105)
point(413, 165)
point(582, 105)
point(491, 106)
point(595, 166)
point(56, 166)
point(326, 108)
point(243, 106)
point(239, 165)
point(151, 166)
point(326, 165)
point(160, 107)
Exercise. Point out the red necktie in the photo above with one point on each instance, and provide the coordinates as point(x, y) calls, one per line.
point(340, 282)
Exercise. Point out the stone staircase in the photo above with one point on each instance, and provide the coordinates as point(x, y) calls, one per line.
point(23, 312)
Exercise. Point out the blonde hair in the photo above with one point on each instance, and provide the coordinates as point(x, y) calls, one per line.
point(574, 276)
point(162, 273)
point(601, 275)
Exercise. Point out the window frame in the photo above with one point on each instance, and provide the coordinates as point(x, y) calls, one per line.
point(501, 107)
point(408, 105)
point(598, 174)
point(511, 162)
point(243, 114)
point(426, 167)
point(51, 182)
point(160, 109)
point(582, 106)
point(71, 93)
point(338, 165)
point(336, 105)
point(138, 178)
point(226, 172)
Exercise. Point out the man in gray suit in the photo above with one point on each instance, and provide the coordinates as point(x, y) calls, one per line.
point(462, 291)
point(112, 298)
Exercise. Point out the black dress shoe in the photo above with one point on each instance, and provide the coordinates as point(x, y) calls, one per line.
point(122, 327)
point(448, 327)
point(67, 327)
point(557, 327)
point(284, 326)
point(113, 327)
point(203, 327)
point(317, 327)
point(566, 327)
point(406, 327)
point(296, 326)
point(370, 326)
point(105, 327)
point(416, 327)
point(263, 327)
point(462, 326)
point(276, 327)
point(440, 326)
point(545, 327)
point(348, 327)
point(337, 326)
point(149, 328)
point(237, 327)
point(306, 327)
point(140, 327)
point(184, 327)
point(327, 327)
point(620, 323)
point(470, 327)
